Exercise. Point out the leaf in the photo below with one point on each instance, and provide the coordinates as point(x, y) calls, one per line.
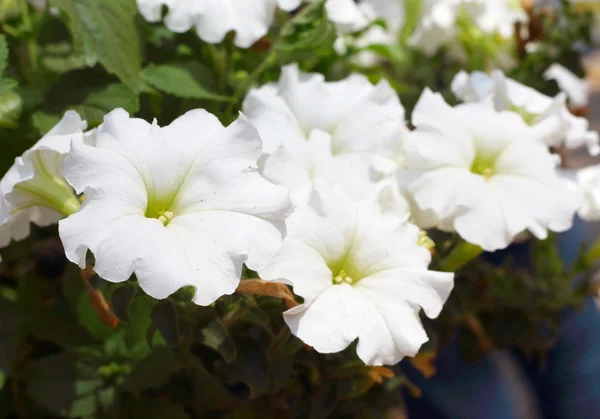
point(11, 319)
point(3, 54)
point(44, 122)
point(106, 30)
point(164, 318)
point(48, 319)
point(178, 81)
point(215, 336)
point(113, 96)
point(50, 381)
point(121, 300)
point(10, 109)
point(61, 58)
point(153, 371)
point(250, 369)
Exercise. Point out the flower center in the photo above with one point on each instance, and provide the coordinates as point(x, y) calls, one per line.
point(160, 213)
point(343, 278)
point(483, 166)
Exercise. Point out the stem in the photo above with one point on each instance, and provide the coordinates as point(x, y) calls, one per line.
point(270, 289)
point(31, 44)
point(262, 67)
point(462, 254)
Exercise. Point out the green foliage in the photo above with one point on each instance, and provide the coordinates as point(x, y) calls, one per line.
point(105, 31)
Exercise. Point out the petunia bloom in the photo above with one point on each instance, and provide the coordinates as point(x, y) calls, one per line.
point(362, 275)
point(588, 182)
point(484, 174)
point(548, 115)
point(576, 89)
point(249, 19)
point(180, 205)
point(34, 189)
point(442, 21)
point(314, 129)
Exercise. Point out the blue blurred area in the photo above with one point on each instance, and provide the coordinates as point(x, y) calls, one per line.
point(509, 385)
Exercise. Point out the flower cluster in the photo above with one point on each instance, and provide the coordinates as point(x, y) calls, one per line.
point(323, 186)
point(313, 186)
point(437, 23)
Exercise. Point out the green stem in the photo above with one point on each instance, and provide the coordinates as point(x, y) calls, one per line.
point(32, 47)
point(270, 60)
point(462, 254)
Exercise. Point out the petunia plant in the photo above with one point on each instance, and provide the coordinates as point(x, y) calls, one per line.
point(230, 209)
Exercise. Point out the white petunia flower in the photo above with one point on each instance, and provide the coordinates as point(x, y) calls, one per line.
point(347, 16)
point(392, 12)
point(314, 129)
point(34, 189)
point(213, 19)
point(442, 21)
point(362, 275)
point(249, 19)
point(588, 182)
point(576, 89)
point(485, 174)
point(178, 206)
point(549, 116)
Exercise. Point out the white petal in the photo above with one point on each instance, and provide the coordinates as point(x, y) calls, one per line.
point(318, 104)
point(577, 89)
point(272, 117)
point(375, 124)
point(346, 15)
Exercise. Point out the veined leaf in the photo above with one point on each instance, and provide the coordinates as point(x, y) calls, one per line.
point(106, 31)
point(178, 81)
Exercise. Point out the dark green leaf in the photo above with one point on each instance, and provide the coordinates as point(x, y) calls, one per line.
point(11, 319)
point(121, 300)
point(51, 381)
point(251, 368)
point(51, 320)
point(178, 81)
point(215, 336)
point(153, 371)
point(164, 318)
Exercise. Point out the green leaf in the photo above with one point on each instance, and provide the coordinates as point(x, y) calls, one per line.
point(44, 122)
point(61, 58)
point(121, 299)
point(106, 31)
point(3, 54)
point(50, 319)
point(215, 336)
point(98, 104)
point(10, 109)
point(11, 319)
point(153, 371)
point(50, 381)
point(251, 368)
point(164, 318)
point(179, 81)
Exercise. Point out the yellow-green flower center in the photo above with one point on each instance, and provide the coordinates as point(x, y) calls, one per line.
point(343, 278)
point(484, 166)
